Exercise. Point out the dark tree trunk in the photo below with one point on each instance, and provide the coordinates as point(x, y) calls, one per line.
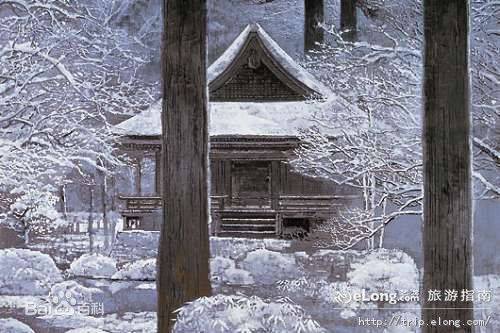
point(62, 201)
point(104, 205)
point(90, 227)
point(447, 162)
point(183, 271)
point(348, 19)
point(314, 15)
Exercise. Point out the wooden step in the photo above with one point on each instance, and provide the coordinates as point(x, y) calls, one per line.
point(248, 227)
point(248, 234)
point(248, 221)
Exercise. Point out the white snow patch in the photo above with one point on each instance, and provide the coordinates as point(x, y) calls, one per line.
point(86, 330)
point(130, 322)
point(236, 276)
point(11, 325)
point(144, 269)
point(219, 264)
point(268, 267)
point(93, 265)
point(26, 272)
point(240, 118)
point(75, 290)
point(384, 271)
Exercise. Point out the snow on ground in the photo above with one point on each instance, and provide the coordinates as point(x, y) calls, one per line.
point(26, 272)
point(74, 290)
point(267, 267)
point(143, 269)
point(10, 325)
point(65, 248)
point(130, 322)
point(86, 330)
point(93, 265)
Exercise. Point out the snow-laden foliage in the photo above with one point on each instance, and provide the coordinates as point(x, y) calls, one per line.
point(67, 71)
point(382, 271)
point(378, 78)
point(241, 314)
point(385, 270)
point(93, 265)
point(26, 272)
point(267, 267)
point(144, 269)
point(35, 211)
point(11, 325)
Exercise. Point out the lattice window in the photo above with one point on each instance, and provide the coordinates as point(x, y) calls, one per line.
point(254, 84)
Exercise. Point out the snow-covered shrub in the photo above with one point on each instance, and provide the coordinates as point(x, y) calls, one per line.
point(268, 267)
point(301, 286)
point(385, 271)
point(73, 290)
point(241, 314)
point(219, 264)
point(11, 325)
point(26, 272)
point(224, 270)
point(236, 248)
point(236, 276)
point(35, 212)
point(93, 265)
point(144, 269)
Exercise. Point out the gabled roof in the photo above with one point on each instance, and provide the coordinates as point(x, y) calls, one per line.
point(249, 117)
point(273, 56)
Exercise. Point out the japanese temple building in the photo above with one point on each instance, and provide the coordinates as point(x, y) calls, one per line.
point(260, 99)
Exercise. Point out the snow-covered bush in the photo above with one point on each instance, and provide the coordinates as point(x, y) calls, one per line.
point(93, 265)
point(26, 272)
point(236, 276)
point(35, 212)
point(144, 269)
point(241, 314)
point(73, 290)
point(301, 286)
point(219, 264)
point(236, 248)
point(11, 325)
point(268, 267)
point(385, 271)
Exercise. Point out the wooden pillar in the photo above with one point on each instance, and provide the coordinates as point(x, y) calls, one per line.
point(158, 173)
point(275, 184)
point(227, 183)
point(138, 175)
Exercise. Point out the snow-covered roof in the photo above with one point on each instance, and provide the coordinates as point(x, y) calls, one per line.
point(249, 118)
point(279, 119)
point(223, 63)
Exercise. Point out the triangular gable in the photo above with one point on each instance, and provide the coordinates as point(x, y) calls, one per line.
point(254, 68)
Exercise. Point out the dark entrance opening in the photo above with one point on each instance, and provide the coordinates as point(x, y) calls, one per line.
point(296, 227)
point(251, 184)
